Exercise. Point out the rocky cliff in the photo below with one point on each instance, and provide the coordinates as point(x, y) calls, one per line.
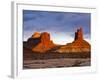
point(40, 42)
point(78, 45)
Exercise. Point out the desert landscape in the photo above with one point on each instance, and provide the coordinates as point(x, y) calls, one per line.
point(55, 39)
point(56, 63)
point(39, 51)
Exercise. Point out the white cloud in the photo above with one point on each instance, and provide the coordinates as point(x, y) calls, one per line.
point(27, 34)
point(63, 38)
point(88, 40)
point(87, 37)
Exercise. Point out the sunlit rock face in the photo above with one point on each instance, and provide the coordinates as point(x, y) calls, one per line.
point(78, 45)
point(40, 42)
point(36, 35)
point(45, 43)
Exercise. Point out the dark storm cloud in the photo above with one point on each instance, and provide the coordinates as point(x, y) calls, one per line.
point(52, 22)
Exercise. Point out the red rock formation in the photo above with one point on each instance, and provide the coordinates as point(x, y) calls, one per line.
point(40, 42)
point(45, 38)
point(79, 34)
point(79, 41)
point(45, 43)
point(33, 40)
point(36, 35)
point(78, 45)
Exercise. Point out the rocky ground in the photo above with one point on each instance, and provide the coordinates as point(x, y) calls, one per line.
point(56, 63)
point(35, 60)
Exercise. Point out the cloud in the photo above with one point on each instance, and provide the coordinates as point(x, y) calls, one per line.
point(62, 40)
point(32, 15)
point(62, 23)
point(88, 40)
point(87, 37)
point(27, 35)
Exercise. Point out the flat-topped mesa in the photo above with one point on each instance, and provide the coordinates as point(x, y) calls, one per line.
point(40, 42)
point(79, 34)
point(45, 43)
point(37, 38)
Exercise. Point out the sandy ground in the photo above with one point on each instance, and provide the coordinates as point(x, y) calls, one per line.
point(56, 63)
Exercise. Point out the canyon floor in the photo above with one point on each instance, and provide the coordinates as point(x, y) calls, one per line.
point(56, 63)
point(56, 60)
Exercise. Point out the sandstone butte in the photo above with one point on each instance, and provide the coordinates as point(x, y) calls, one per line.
point(78, 45)
point(40, 42)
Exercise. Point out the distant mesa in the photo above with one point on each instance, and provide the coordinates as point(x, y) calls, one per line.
point(78, 45)
point(40, 42)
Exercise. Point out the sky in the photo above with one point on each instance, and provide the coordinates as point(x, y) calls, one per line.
point(60, 25)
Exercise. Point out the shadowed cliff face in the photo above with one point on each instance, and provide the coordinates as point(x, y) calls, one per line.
point(79, 35)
